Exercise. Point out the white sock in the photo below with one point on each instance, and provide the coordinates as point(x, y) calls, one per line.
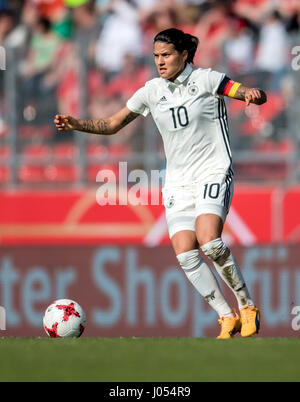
point(229, 270)
point(200, 275)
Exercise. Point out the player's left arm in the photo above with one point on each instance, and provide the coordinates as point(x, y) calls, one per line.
point(236, 90)
point(250, 95)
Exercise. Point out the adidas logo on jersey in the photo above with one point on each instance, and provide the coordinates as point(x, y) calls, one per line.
point(163, 99)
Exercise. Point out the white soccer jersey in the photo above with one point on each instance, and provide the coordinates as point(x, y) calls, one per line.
point(191, 118)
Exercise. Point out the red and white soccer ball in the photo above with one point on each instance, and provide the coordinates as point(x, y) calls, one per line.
point(64, 318)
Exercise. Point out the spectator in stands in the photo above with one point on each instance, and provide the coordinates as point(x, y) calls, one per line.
point(43, 47)
point(64, 77)
point(20, 36)
point(273, 51)
point(49, 8)
point(189, 15)
point(68, 70)
point(7, 24)
point(87, 29)
point(212, 30)
point(253, 10)
point(162, 16)
point(132, 77)
point(57, 12)
point(239, 49)
point(122, 33)
point(292, 18)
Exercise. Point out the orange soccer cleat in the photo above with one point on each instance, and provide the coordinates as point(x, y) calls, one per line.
point(229, 326)
point(250, 319)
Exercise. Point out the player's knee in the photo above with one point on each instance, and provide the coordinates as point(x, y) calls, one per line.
point(216, 250)
point(183, 242)
point(206, 239)
point(189, 260)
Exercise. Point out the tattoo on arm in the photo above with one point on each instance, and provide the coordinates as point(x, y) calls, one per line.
point(241, 92)
point(107, 126)
point(131, 116)
point(94, 126)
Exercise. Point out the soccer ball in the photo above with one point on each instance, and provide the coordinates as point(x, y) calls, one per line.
point(64, 318)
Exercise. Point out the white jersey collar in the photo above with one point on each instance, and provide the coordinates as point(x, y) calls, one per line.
point(182, 77)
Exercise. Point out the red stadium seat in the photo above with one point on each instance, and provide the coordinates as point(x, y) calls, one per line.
point(284, 146)
point(30, 132)
point(36, 152)
point(94, 151)
point(5, 152)
point(118, 149)
point(64, 169)
point(277, 171)
point(96, 154)
point(5, 174)
point(94, 169)
point(65, 152)
point(62, 173)
point(258, 117)
point(31, 174)
point(34, 158)
point(4, 130)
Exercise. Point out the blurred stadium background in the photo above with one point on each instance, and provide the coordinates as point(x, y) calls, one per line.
point(86, 58)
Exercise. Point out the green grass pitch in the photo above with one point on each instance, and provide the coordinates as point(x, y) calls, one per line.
point(149, 359)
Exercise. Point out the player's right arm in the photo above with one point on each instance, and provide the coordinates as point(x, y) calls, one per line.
point(106, 126)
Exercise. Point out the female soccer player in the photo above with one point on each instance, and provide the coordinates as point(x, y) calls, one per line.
point(188, 108)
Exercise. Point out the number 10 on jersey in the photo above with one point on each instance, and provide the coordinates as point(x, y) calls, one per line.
point(180, 116)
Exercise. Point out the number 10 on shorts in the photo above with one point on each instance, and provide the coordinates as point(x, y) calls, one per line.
point(211, 190)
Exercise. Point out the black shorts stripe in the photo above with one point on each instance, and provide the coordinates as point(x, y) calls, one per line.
point(226, 193)
point(228, 181)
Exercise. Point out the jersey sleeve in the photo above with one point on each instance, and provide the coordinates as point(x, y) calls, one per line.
point(214, 79)
point(138, 102)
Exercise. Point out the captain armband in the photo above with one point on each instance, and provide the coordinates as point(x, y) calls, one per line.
point(228, 87)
